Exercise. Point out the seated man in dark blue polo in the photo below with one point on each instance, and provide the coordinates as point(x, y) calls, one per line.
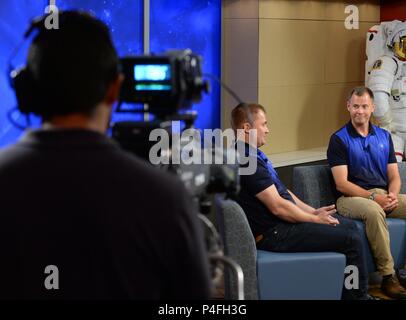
point(281, 222)
point(363, 163)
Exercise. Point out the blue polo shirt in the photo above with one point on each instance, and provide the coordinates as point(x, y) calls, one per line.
point(259, 216)
point(367, 157)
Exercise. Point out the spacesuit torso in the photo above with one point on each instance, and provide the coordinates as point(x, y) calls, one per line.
point(389, 75)
point(387, 80)
point(398, 97)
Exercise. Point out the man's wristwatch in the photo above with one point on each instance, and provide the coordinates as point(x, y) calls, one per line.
point(372, 196)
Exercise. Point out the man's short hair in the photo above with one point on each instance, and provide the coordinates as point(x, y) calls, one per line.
point(72, 66)
point(360, 91)
point(244, 112)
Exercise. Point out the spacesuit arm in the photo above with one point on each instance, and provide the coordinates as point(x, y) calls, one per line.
point(380, 82)
point(383, 113)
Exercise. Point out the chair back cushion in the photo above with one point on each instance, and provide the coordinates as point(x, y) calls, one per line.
point(314, 185)
point(239, 244)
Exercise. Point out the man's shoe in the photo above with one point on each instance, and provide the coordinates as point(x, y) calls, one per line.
point(401, 277)
point(392, 288)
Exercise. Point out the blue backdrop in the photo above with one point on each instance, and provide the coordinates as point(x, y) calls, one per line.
point(194, 24)
point(15, 16)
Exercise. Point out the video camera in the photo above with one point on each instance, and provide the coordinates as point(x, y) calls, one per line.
point(167, 84)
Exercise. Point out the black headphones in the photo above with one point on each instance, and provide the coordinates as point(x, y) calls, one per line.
point(21, 79)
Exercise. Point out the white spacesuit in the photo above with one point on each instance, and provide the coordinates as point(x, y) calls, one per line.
point(386, 77)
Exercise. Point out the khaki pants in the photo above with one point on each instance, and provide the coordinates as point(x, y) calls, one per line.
point(375, 224)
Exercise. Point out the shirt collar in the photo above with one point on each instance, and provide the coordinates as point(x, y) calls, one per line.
point(353, 132)
point(250, 150)
point(67, 137)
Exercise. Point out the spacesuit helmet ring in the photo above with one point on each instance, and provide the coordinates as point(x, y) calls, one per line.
point(399, 48)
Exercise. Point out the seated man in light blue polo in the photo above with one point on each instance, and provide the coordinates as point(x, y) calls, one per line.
point(363, 163)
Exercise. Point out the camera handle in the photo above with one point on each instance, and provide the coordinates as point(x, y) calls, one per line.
point(237, 271)
point(216, 254)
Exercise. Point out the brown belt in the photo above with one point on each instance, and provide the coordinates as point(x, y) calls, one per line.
point(259, 238)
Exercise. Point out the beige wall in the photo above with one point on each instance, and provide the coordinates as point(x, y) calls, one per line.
point(307, 62)
point(240, 53)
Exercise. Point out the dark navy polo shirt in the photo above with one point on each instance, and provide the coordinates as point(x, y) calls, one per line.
point(259, 216)
point(367, 157)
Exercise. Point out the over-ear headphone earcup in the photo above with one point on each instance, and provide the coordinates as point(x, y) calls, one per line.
point(25, 90)
point(22, 81)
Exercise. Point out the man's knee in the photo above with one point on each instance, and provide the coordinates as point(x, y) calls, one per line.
point(349, 238)
point(360, 208)
point(374, 213)
point(402, 204)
